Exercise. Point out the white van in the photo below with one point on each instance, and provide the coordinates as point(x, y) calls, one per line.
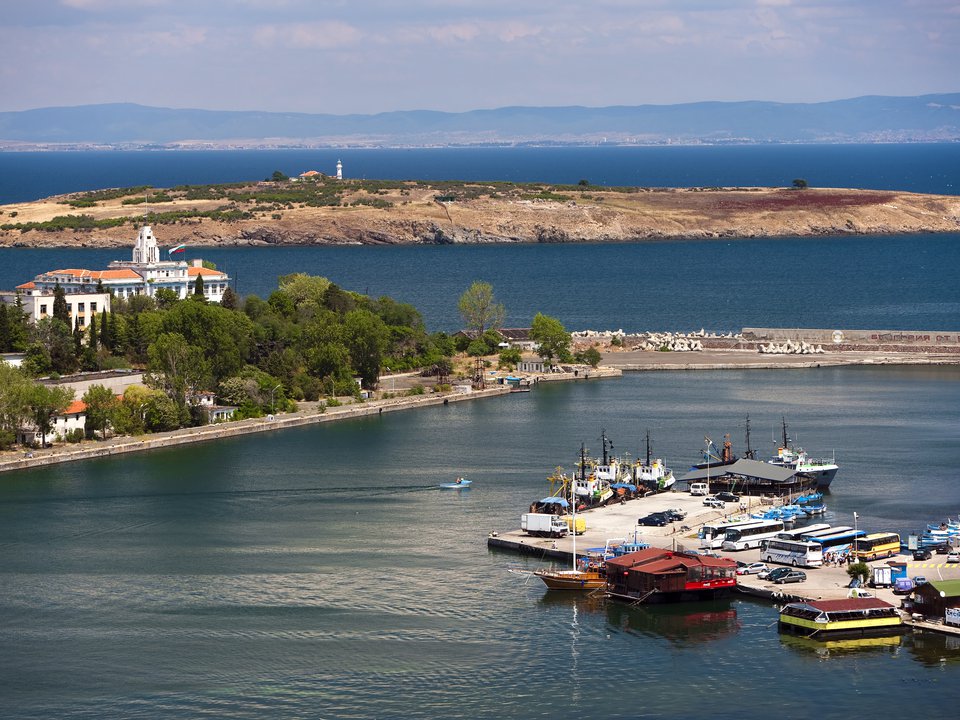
point(699, 488)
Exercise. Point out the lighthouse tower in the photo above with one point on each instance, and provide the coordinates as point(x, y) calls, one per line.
point(339, 170)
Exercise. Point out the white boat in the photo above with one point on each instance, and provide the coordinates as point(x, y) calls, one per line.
point(459, 484)
point(653, 474)
point(820, 470)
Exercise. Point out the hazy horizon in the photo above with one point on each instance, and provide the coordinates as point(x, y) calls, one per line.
point(373, 56)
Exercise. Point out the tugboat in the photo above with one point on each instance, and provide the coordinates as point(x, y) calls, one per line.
point(653, 475)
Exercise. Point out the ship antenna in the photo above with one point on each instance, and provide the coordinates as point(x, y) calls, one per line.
point(648, 447)
point(749, 452)
point(786, 440)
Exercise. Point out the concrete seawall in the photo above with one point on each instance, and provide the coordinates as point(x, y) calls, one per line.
point(118, 446)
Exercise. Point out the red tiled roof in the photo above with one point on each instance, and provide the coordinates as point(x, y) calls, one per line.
point(123, 274)
point(27, 286)
point(206, 272)
point(662, 559)
point(77, 406)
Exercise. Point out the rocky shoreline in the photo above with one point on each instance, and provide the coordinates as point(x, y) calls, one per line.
point(418, 213)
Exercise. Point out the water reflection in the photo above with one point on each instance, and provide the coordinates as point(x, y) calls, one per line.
point(826, 649)
point(682, 624)
point(935, 649)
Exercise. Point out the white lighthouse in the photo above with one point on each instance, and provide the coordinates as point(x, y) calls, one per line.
point(339, 170)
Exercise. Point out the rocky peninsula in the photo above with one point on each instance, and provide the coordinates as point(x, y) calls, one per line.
point(326, 211)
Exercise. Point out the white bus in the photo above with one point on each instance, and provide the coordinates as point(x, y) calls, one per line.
point(799, 553)
point(749, 536)
point(808, 531)
point(711, 535)
point(810, 535)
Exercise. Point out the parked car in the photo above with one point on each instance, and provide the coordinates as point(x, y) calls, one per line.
point(727, 497)
point(774, 573)
point(919, 580)
point(711, 501)
point(922, 554)
point(942, 549)
point(654, 519)
point(791, 576)
point(675, 513)
point(753, 568)
point(953, 556)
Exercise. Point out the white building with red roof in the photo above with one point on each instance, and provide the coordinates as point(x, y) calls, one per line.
point(88, 291)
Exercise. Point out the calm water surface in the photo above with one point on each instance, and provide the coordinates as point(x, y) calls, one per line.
point(316, 572)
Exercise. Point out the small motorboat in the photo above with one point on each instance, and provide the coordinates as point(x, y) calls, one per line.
point(459, 484)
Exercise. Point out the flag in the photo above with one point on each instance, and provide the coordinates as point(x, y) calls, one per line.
point(177, 249)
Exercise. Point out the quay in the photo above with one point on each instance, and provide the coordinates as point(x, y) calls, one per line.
point(310, 413)
point(618, 522)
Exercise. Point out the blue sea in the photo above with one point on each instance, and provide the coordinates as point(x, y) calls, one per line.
point(882, 282)
point(319, 573)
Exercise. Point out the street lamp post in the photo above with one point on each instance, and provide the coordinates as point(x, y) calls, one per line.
point(272, 411)
point(856, 538)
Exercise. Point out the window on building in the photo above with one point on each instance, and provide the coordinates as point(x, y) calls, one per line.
point(93, 307)
point(81, 307)
point(43, 309)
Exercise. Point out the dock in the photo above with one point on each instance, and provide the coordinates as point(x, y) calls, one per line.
point(619, 522)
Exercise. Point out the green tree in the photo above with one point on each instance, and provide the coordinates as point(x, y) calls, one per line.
point(478, 308)
point(92, 338)
point(15, 388)
point(106, 340)
point(61, 311)
point(509, 358)
point(859, 571)
point(101, 407)
point(176, 367)
point(229, 299)
point(591, 356)
point(58, 342)
point(366, 339)
point(553, 341)
point(165, 297)
point(198, 288)
point(278, 176)
point(45, 403)
point(800, 184)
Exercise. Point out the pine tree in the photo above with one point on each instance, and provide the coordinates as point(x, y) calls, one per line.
point(5, 337)
point(61, 310)
point(198, 286)
point(92, 340)
point(77, 339)
point(105, 340)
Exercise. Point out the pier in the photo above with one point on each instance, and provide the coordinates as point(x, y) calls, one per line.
point(618, 522)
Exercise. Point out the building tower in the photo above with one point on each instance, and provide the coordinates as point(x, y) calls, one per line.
point(339, 170)
point(145, 250)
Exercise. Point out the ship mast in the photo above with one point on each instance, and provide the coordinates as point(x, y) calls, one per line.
point(749, 453)
point(648, 447)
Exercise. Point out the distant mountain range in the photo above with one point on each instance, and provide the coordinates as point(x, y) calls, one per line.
point(923, 118)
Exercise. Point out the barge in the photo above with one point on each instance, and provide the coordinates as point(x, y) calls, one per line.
point(848, 618)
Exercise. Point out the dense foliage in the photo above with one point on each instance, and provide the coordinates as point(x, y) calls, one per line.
point(308, 340)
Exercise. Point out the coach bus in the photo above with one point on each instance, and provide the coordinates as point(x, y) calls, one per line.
point(796, 552)
point(877, 545)
point(749, 536)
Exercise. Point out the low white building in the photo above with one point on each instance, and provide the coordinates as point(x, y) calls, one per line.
point(73, 418)
point(38, 303)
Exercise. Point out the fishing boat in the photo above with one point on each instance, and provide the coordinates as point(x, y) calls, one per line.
point(851, 617)
point(820, 471)
point(584, 575)
point(458, 484)
point(653, 474)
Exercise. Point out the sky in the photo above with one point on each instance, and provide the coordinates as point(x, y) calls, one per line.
point(371, 56)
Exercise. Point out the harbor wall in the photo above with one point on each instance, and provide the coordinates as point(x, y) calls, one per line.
point(930, 341)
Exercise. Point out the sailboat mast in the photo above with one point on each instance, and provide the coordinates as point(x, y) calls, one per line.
point(583, 465)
